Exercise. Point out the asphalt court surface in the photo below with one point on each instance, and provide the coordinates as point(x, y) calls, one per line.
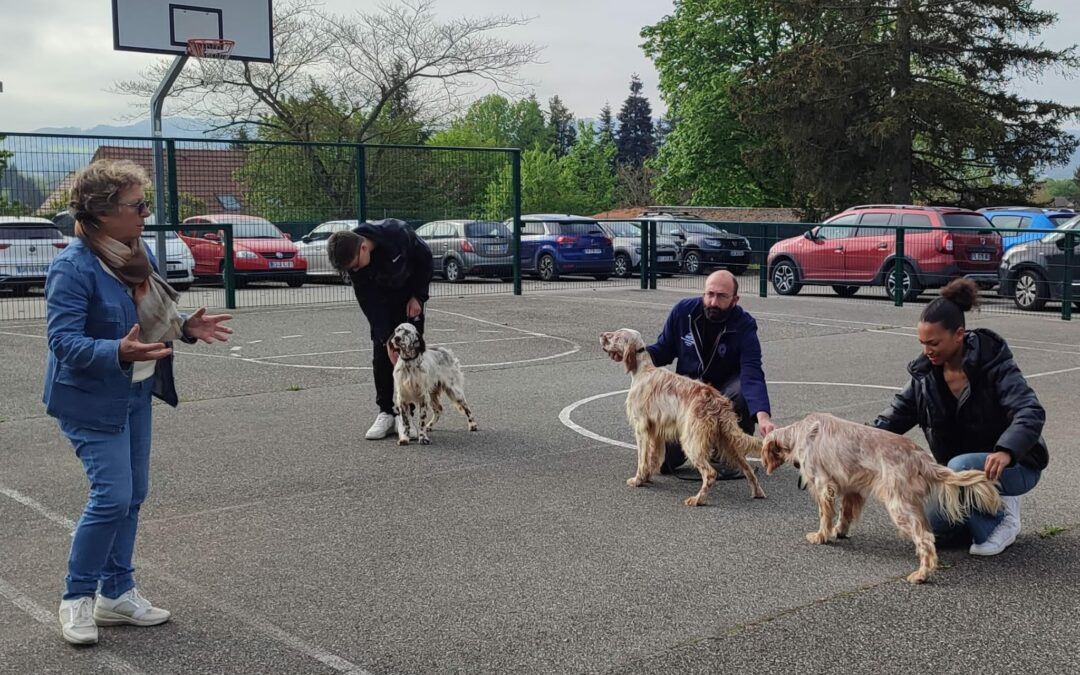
point(284, 542)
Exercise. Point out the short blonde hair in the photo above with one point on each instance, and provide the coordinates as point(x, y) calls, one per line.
point(96, 188)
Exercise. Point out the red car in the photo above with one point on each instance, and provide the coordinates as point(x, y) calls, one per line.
point(261, 252)
point(858, 247)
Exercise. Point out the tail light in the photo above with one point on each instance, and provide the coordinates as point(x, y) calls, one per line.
point(563, 240)
point(60, 244)
point(466, 246)
point(947, 244)
point(3, 246)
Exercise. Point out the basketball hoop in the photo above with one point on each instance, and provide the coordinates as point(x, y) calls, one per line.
point(213, 55)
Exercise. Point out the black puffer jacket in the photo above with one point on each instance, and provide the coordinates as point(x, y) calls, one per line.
point(1001, 411)
point(400, 267)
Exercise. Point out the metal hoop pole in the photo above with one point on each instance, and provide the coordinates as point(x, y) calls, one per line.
point(157, 102)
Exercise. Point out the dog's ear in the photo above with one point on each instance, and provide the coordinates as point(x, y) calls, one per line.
point(772, 454)
point(420, 344)
point(630, 357)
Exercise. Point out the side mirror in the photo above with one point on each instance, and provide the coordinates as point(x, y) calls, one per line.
point(212, 236)
point(287, 236)
point(306, 239)
point(809, 234)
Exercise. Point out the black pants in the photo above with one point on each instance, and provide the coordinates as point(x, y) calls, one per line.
point(382, 327)
point(674, 457)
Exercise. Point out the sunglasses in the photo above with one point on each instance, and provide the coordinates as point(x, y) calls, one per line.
point(138, 206)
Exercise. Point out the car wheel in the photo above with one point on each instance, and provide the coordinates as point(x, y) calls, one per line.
point(912, 288)
point(295, 283)
point(692, 262)
point(181, 286)
point(845, 291)
point(737, 270)
point(452, 271)
point(623, 267)
point(785, 278)
point(1029, 292)
point(546, 268)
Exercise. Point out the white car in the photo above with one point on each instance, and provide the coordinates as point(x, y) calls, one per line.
point(27, 248)
point(180, 264)
point(313, 247)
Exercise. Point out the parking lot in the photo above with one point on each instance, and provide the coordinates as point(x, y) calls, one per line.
point(283, 542)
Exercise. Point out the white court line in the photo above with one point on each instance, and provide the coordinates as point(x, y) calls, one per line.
point(341, 332)
point(365, 349)
point(43, 616)
point(290, 337)
point(260, 625)
point(565, 413)
point(1012, 343)
point(1052, 372)
point(3, 332)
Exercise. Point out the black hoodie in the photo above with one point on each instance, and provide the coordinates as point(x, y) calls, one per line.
point(400, 267)
point(1000, 411)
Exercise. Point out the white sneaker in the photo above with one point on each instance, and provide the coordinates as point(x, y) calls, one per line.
point(1005, 533)
point(382, 426)
point(130, 608)
point(77, 621)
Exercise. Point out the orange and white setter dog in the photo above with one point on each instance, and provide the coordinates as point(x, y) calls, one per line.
point(838, 458)
point(663, 406)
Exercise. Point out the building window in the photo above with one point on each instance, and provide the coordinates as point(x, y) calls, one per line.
point(229, 202)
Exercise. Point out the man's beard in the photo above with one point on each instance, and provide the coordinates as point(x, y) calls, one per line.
point(717, 314)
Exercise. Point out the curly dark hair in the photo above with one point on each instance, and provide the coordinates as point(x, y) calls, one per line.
point(958, 297)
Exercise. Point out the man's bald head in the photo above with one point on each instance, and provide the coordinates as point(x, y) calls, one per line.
point(721, 294)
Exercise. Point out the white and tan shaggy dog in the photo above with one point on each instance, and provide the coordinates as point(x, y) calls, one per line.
point(662, 406)
point(847, 460)
point(421, 374)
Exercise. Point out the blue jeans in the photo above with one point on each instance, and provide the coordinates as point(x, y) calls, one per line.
point(1015, 481)
point(117, 465)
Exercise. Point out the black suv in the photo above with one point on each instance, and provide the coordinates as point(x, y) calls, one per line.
point(702, 245)
point(1033, 272)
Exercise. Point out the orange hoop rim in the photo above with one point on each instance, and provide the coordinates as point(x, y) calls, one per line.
point(212, 48)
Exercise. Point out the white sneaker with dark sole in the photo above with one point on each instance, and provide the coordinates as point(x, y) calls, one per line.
point(130, 609)
point(77, 621)
point(1005, 533)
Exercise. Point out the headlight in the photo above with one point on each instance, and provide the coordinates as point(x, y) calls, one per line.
point(246, 255)
point(715, 243)
point(747, 242)
point(637, 249)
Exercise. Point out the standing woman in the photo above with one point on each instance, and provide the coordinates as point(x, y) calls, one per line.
point(111, 320)
point(976, 410)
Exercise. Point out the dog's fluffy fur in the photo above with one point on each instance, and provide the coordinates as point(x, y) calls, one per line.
point(838, 458)
point(663, 406)
point(421, 374)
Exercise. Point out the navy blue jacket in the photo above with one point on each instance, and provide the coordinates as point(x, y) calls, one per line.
point(89, 311)
point(733, 366)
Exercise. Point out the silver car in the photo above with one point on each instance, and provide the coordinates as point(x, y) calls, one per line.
point(27, 247)
point(626, 238)
point(313, 247)
point(476, 247)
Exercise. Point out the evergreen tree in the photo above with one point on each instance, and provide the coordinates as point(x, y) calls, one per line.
point(634, 138)
point(561, 124)
point(607, 124)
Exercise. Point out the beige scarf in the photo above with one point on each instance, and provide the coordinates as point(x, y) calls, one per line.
point(155, 299)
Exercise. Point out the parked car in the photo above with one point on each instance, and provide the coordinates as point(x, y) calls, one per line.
point(261, 252)
point(1033, 273)
point(27, 247)
point(464, 247)
point(702, 245)
point(626, 239)
point(179, 262)
point(857, 248)
point(556, 244)
point(312, 248)
point(1024, 218)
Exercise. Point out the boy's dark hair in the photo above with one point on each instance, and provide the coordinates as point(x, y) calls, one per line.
point(341, 248)
point(948, 310)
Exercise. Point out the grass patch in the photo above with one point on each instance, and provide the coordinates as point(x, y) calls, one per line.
point(295, 387)
point(1052, 531)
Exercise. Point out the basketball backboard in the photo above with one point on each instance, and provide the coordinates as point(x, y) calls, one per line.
point(165, 26)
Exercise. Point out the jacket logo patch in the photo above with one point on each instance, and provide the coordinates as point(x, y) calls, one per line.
point(721, 350)
point(688, 339)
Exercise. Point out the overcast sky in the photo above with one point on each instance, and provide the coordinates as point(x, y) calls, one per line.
point(57, 59)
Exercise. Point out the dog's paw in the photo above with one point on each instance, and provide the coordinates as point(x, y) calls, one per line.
point(473, 427)
point(817, 538)
point(918, 577)
point(424, 440)
point(634, 482)
point(694, 501)
point(403, 441)
point(840, 535)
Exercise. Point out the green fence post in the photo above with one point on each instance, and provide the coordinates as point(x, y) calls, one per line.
point(652, 255)
point(763, 261)
point(1066, 287)
point(515, 180)
point(230, 280)
point(174, 192)
point(361, 183)
point(643, 259)
point(898, 269)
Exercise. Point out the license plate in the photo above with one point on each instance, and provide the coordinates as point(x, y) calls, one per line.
point(280, 264)
point(664, 258)
point(736, 254)
point(593, 251)
point(176, 266)
point(985, 257)
point(31, 269)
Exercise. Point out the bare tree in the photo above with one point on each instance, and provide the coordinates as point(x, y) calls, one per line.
point(350, 68)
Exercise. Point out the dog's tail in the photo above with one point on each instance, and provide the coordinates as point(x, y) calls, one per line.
point(724, 428)
point(958, 492)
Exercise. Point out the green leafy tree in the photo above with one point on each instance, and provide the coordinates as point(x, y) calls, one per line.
point(588, 184)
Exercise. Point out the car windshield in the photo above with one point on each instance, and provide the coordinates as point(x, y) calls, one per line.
point(1061, 218)
point(1071, 224)
point(971, 220)
point(624, 229)
point(486, 229)
point(577, 229)
point(255, 229)
point(169, 234)
point(30, 231)
point(701, 228)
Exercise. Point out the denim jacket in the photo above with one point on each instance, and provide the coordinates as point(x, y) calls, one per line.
point(89, 311)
